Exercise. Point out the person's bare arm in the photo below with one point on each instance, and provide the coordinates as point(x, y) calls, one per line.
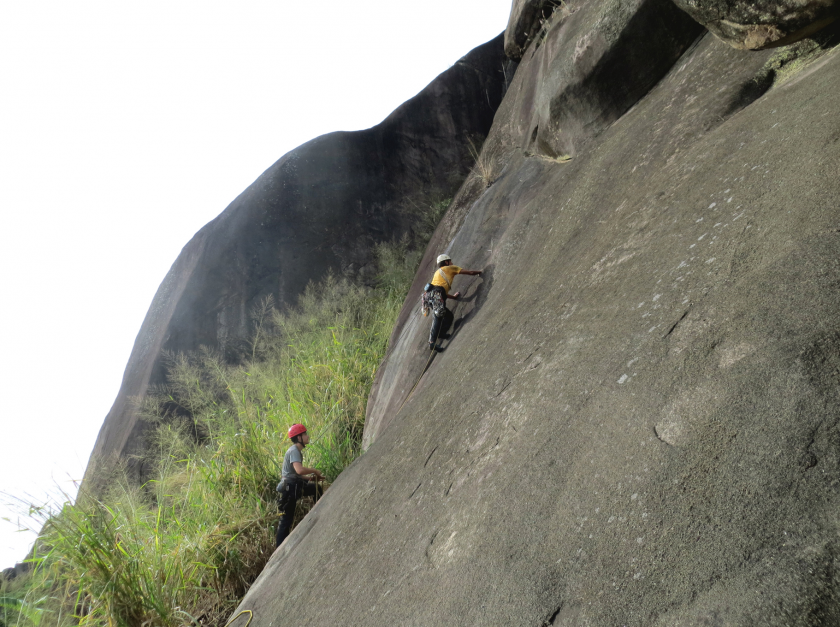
point(303, 470)
point(467, 272)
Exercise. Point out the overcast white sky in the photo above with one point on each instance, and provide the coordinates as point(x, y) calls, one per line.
point(127, 126)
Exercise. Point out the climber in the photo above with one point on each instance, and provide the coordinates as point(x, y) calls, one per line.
point(437, 291)
point(296, 481)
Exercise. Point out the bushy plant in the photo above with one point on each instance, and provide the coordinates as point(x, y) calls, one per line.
point(183, 547)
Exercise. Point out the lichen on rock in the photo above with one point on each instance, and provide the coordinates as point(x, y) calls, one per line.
point(755, 25)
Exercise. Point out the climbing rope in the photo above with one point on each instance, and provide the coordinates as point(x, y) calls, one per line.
point(422, 372)
point(426, 367)
point(250, 618)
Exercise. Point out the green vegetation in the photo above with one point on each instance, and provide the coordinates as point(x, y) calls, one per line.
point(182, 547)
point(485, 168)
point(790, 60)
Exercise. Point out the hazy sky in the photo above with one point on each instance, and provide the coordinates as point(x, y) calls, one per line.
point(124, 128)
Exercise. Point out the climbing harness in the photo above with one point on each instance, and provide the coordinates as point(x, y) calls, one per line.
point(250, 618)
point(422, 372)
point(433, 300)
point(432, 297)
point(445, 278)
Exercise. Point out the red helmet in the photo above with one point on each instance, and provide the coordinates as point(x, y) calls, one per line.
point(296, 429)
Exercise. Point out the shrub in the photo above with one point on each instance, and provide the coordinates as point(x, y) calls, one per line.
point(183, 547)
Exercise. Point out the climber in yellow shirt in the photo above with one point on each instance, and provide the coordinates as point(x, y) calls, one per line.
point(438, 291)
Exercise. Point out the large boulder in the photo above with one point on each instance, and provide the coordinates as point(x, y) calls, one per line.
point(320, 208)
point(636, 420)
point(758, 24)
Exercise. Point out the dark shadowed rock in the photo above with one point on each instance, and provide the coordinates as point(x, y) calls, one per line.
point(526, 20)
point(19, 569)
point(636, 422)
point(591, 64)
point(320, 208)
point(758, 24)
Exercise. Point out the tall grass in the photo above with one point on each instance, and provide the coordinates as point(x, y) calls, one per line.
point(183, 547)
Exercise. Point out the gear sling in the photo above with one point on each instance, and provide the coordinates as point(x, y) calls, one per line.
point(434, 299)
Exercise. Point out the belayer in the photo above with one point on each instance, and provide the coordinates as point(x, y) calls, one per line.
point(436, 293)
point(295, 482)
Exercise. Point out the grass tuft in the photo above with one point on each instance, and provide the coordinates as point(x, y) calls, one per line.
point(183, 547)
point(789, 60)
point(485, 168)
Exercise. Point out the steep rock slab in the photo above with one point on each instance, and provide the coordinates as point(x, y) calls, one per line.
point(638, 425)
point(758, 24)
point(592, 66)
point(321, 207)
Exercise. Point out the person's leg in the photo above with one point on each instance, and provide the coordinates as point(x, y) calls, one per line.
point(287, 508)
point(310, 488)
point(433, 333)
point(445, 323)
point(439, 323)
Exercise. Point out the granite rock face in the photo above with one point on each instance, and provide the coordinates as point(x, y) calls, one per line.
point(320, 208)
point(594, 63)
point(758, 24)
point(636, 419)
point(526, 20)
point(593, 66)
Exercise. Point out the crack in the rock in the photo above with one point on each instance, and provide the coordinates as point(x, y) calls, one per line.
point(674, 326)
point(507, 385)
point(431, 542)
point(656, 433)
point(550, 621)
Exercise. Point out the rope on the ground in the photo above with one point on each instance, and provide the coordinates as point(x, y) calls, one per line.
point(250, 618)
